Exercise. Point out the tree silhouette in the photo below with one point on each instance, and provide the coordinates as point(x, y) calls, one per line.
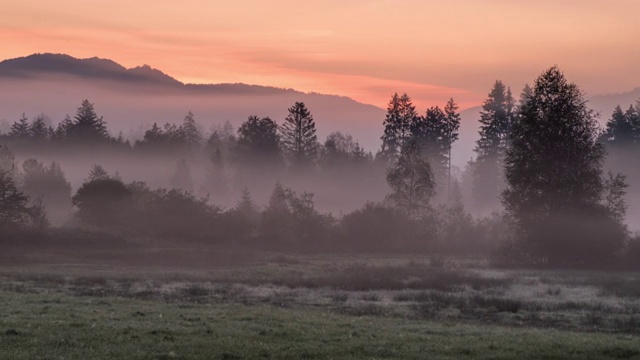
point(258, 142)
point(21, 129)
point(190, 132)
point(13, 204)
point(496, 119)
point(87, 126)
point(411, 182)
point(555, 191)
point(97, 172)
point(298, 136)
point(401, 114)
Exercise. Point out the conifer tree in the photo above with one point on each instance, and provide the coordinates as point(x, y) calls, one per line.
point(298, 137)
point(401, 115)
point(87, 126)
point(191, 134)
point(496, 119)
point(21, 129)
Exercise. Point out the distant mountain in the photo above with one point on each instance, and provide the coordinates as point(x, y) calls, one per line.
point(36, 65)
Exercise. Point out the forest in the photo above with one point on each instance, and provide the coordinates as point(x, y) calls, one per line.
point(549, 187)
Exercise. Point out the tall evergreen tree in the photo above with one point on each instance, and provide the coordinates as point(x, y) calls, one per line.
point(452, 127)
point(432, 134)
point(63, 128)
point(298, 136)
point(87, 126)
point(401, 114)
point(39, 130)
point(623, 128)
point(190, 132)
point(21, 129)
point(555, 190)
point(496, 120)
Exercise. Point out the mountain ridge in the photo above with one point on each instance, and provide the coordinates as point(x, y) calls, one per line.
point(28, 67)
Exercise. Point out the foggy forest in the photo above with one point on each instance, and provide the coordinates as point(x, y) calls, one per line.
point(195, 240)
point(548, 186)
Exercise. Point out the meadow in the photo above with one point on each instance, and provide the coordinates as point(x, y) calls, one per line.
point(282, 306)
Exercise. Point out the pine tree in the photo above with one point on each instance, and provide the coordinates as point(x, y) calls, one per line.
point(452, 127)
point(63, 128)
point(21, 129)
point(431, 134)
point(87, 126)
point(555, 191)
point(245, 205)
point(216, 183)
point(97, 172)
point(39, 130)
point(298, 136)
point(496, 119)
point(401, 114)
point(190, 132)
point(623, 128)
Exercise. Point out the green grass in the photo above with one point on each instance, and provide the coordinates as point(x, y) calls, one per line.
point(38, 326)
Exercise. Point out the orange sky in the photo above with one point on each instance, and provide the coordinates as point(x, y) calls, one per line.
point(363, 49)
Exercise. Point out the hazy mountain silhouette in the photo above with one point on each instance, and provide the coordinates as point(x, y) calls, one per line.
point(132, 99)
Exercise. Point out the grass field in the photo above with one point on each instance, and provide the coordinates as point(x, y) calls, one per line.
point(323, 307)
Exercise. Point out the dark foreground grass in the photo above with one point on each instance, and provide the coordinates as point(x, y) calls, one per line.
point(37, 326)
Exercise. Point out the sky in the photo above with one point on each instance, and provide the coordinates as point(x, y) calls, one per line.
point(367, 50)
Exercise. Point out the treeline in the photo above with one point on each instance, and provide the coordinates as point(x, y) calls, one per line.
point(539, 179)
point(289, 222)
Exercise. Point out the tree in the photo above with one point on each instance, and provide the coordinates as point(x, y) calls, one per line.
point(555, 192)
point(7, 160)
point(496, 119)
point(14, 212)
point(452, 126)
point(63, 128)
point(341, 152)
point(97, 172)
point(48, 185)
point(21, 128)
point(623, 128)
point(216, 178)
point(411, 182)
point(401, 114)
point(258, 143)
point(87, 126)
point(298, 136)
point(102, 202)
point(432, 134)
point(40, 132)
point(191, 134)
